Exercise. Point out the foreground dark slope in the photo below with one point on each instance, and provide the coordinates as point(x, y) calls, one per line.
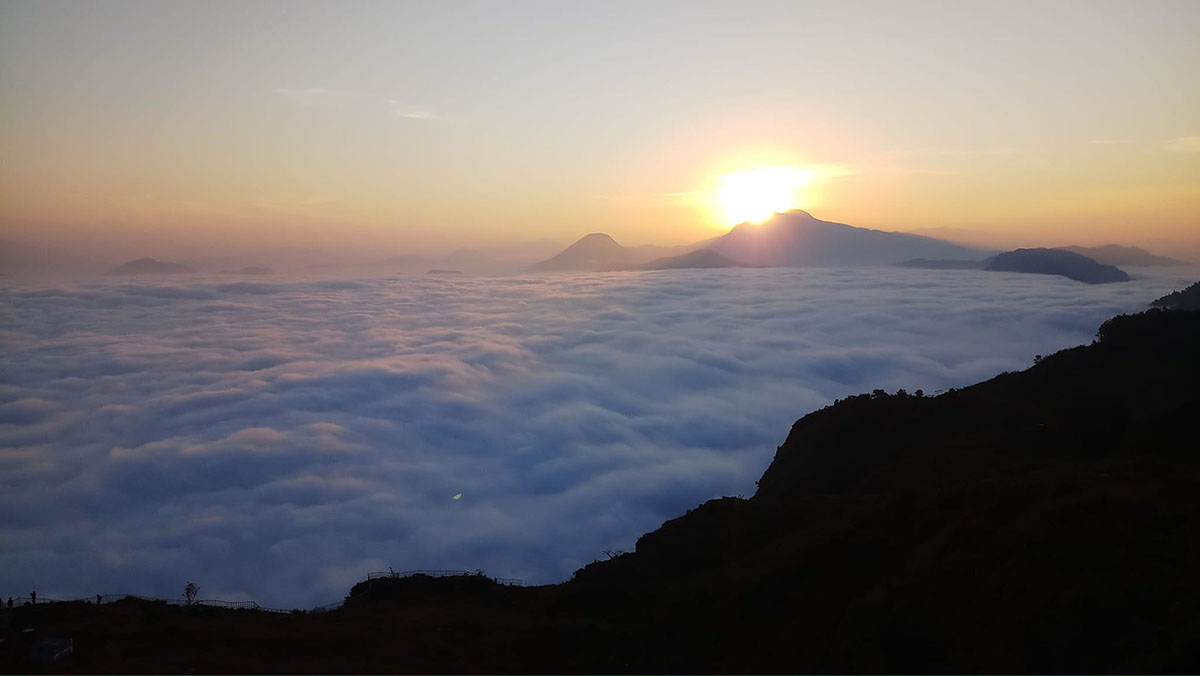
point(1187, 299)
point(1042, 521)
point(1046, 520)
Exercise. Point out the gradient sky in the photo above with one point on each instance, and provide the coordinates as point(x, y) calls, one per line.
point(426, 126)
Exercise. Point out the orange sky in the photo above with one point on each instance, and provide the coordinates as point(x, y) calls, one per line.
point(390, 127)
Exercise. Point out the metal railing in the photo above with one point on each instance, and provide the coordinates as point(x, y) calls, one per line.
point(18, 601)
point(212, 603)
point(507, 581)
point(409, 573)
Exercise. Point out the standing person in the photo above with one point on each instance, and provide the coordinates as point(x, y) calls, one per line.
point(33, 598)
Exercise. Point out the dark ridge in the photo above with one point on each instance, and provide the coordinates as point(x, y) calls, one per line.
point(419, 588)
point(1041, 521)
point(1188, 299)
point(1056, 262)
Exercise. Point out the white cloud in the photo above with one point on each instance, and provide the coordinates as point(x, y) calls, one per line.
point(1184, 144)
point(277, 440)
point(411, 112)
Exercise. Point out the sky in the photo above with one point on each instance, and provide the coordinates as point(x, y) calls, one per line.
point(278, 440)
point(393, 127)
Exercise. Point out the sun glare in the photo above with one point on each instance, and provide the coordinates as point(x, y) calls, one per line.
point(755, 194)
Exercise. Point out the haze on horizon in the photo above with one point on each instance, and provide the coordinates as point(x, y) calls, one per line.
point(141, 128)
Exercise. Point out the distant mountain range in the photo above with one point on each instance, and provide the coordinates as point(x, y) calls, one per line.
point(1115, 254)
point(150, 266)
point(599, 252)
point(596, 251)
point(1038, 261)
point(790, 239)
point(700, 258)
point(796, 238)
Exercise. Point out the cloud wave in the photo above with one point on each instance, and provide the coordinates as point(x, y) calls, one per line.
point(277, 441)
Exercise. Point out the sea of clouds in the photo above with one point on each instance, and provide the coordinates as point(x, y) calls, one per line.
point(279, 439)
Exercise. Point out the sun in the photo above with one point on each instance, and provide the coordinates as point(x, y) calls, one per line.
point(755, 194)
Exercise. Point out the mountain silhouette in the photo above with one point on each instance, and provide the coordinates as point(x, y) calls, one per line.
point(1057, 262)
point(150, 266)
point(789, 239)
point(701, 258)
point(596, 251)
point(599, 252)
point(1041, 521)
point(796, 238)
point(1188, 299)
point(1115, 254)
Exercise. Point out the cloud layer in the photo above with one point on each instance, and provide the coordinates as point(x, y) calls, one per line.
point(278, 441)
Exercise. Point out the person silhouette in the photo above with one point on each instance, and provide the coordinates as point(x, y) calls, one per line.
point(10, 603)
point(98, 601)
point(33, 598)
